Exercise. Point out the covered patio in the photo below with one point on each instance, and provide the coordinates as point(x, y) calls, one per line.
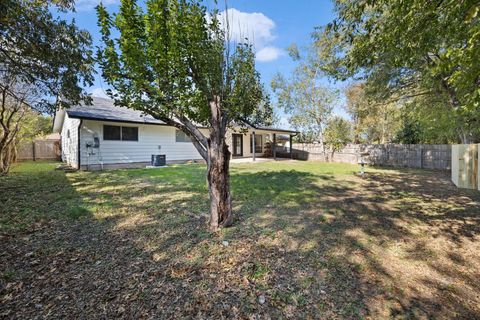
point(260, 144)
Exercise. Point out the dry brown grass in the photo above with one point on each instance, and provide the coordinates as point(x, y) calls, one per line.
point(313, 239)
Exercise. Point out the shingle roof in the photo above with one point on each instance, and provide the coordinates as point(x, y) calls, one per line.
point(104, 109)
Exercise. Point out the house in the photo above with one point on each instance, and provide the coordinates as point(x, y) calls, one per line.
point(102, 136)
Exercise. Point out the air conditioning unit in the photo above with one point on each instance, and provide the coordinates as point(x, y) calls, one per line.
point(158, 160)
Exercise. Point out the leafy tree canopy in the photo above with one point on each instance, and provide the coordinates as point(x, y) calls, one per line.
point(338, 133)
point(407, 49)
point(46, 52)
point(305, 97)
point(423, 119)
point(173, 60)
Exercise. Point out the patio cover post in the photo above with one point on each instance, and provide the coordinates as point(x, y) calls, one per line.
point(275, 146)
point(253, 145)
point(291, 146)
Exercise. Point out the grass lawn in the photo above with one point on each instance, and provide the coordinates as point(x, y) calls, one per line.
point(311, 240)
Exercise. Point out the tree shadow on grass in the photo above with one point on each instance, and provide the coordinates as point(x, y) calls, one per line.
point(38, 205)
point(418, 221)
point(312, 244)
point(40, 194)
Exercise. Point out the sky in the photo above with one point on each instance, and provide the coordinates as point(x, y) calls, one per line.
point(272, 25)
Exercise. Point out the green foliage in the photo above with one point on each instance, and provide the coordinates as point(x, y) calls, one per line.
point(48, 53)
point(421, 120)
point(436, 120)
point(34, 125)
point(308, 102)
point(406, 49)
point(338, 133)
point(172, 59)
point(373, 121)
point(410, 133)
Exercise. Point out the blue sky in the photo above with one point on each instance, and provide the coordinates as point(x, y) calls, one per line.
point(271, 24)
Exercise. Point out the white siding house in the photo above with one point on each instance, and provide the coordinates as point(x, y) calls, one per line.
point(106, 136)
point(69, 140)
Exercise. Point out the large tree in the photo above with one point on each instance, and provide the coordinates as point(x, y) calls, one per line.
point(44, 51)
point(12, 111)
point(338, 134)
point(18, 121)
point(373, 121)
point(405, 49)
point(42, 58)
point(422, 119)
point(172, 59)
point(305, 97)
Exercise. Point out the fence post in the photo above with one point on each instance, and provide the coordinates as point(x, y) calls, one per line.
point(33, 151)
point(421, 156)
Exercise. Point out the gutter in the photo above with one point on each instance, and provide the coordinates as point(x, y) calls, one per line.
point(78, 143)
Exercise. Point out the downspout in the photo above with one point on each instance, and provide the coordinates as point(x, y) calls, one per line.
point(78, 143)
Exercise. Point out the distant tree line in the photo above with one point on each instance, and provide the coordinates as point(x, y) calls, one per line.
point(418, 65)
point(413, 67)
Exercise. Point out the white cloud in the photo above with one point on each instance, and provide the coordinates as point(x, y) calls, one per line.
point(269, 54)
point(255, 28)
point(99, 92)
point(86, 5)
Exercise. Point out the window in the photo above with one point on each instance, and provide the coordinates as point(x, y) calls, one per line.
point(68, 134)
point(111, 132)
point(258, 143)
point(120, 133)
point(129, 133)
point(181, 136)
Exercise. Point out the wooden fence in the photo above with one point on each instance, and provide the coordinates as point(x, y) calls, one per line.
point(39, 150)
point(390, 155)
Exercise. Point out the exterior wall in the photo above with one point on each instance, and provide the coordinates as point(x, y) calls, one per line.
point(132, 165)
point(69, 142)
point(152, 139)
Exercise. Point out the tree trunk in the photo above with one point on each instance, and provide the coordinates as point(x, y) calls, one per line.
point(218, 177)
point(4, 157)
point(322, 145)
point(7, 158)
point(214, 150)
